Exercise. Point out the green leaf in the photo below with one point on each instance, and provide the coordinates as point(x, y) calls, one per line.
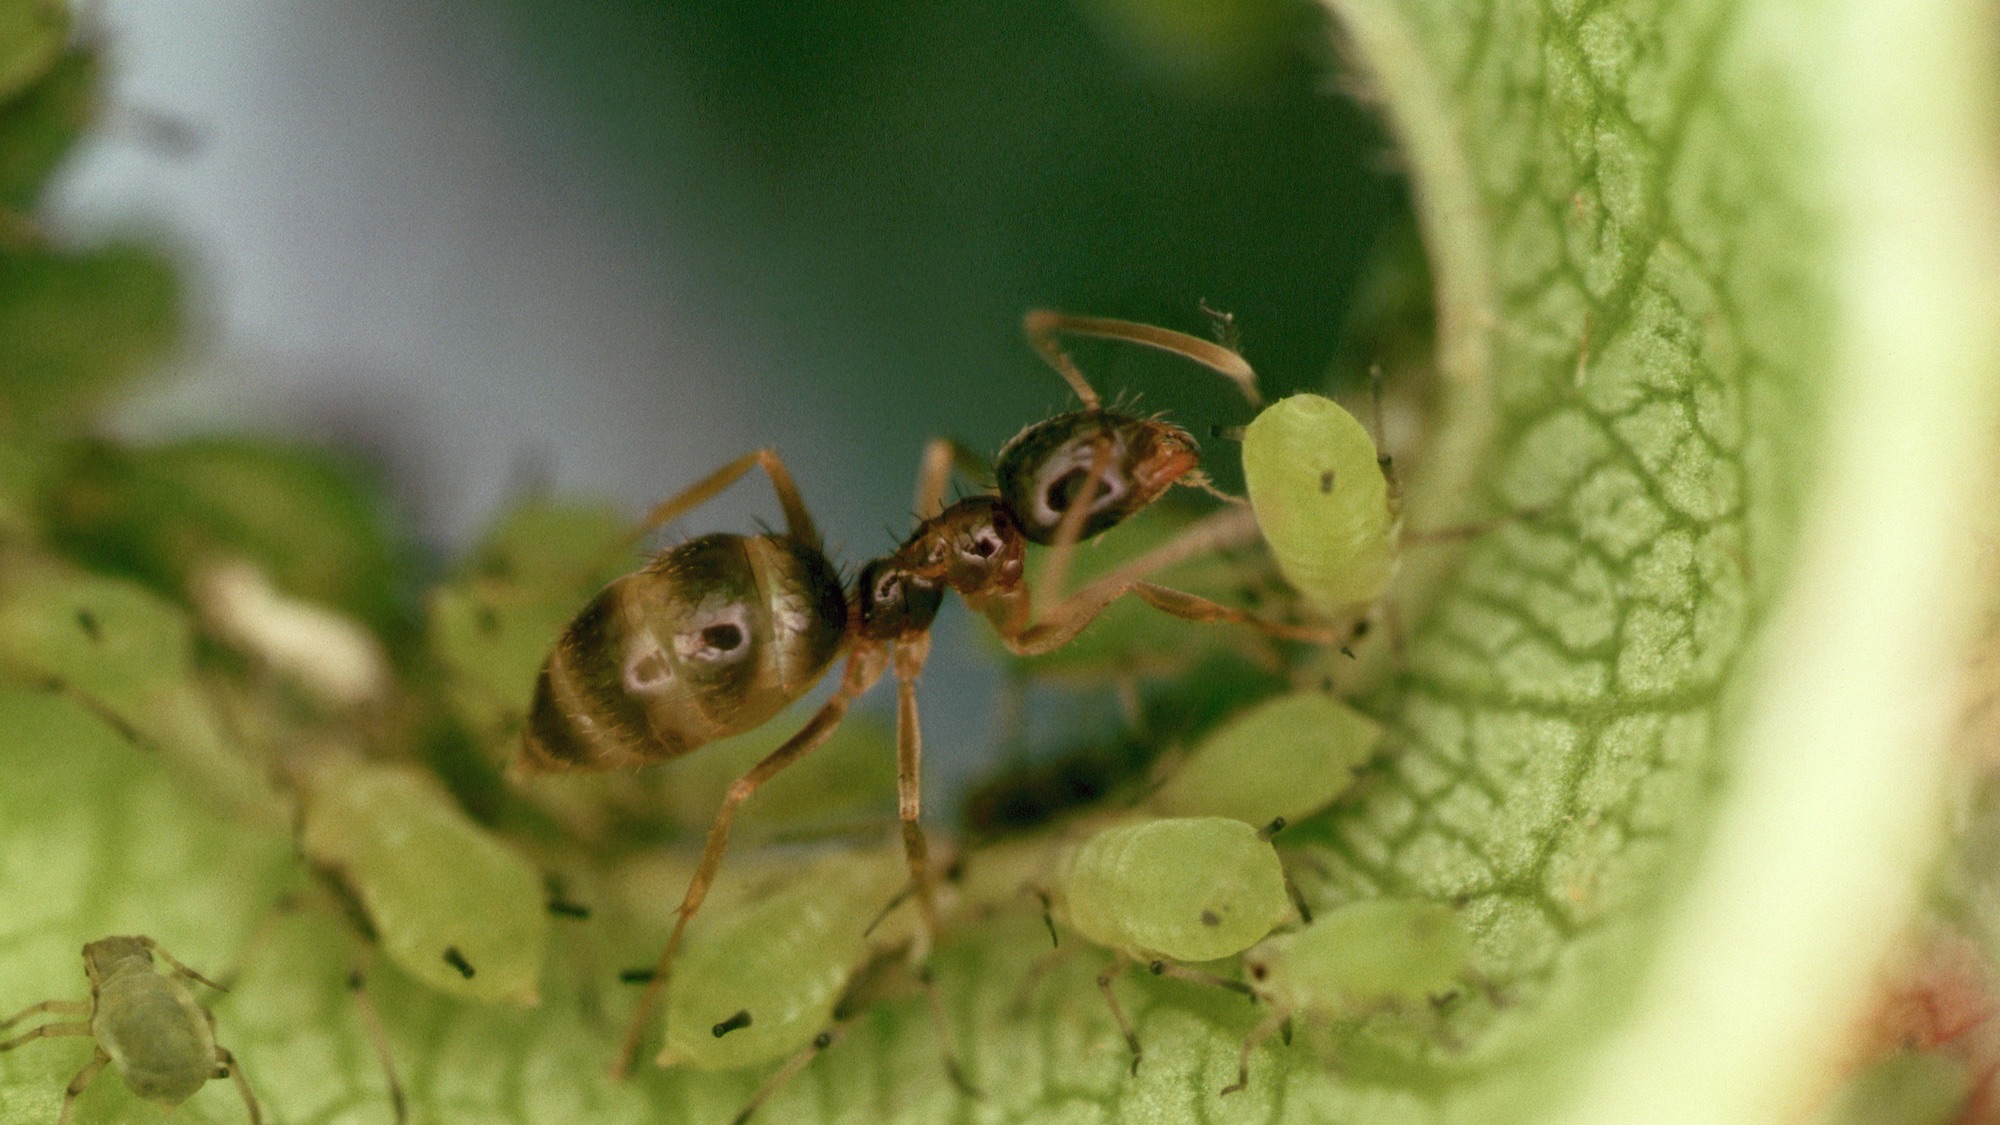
point(32, 34)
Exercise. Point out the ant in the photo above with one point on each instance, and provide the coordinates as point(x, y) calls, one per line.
point(715, 636)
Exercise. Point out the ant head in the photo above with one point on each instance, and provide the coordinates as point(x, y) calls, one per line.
point(974, 544)
point(1043, 470)
point(894, 601)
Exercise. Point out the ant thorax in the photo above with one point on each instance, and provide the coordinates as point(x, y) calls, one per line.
point(973, 547)
point(1043, 469)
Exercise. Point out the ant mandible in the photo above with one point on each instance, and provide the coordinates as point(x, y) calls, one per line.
point(717, 635)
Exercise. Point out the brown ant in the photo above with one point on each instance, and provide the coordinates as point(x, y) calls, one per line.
point(717, 635)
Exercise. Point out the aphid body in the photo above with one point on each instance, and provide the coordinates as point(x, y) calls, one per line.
point(1322, 500)
point(1283, 759)
point(1364, 957)
point(147, 1027)
point(1182, 888)
point(758, 983)
point(448, 902)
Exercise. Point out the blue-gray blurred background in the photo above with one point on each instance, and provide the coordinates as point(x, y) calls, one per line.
point(602, 248)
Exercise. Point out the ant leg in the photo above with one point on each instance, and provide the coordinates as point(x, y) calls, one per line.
point(864, 667)
point(230, 1068)
point(790, 1070)
point(77, 1084)
point(1257, 1035)
point(1111, 973)
point(797, 521)
point(1024, 993)
point(909, 663)
point(51, 1007)
point(1224, 529)
point(179, 969)
point(1043, 325)
point(357, 984)
point(941, 456)
point(1070, 531)
point(46, 1031)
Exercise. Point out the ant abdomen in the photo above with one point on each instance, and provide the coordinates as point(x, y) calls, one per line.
point(712, 638)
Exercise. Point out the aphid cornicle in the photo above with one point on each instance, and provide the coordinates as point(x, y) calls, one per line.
point(715, 636)
point(146, 1024)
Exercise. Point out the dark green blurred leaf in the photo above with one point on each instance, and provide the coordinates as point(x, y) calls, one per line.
point(77, 327)
point(39, 128)
point(32, 34)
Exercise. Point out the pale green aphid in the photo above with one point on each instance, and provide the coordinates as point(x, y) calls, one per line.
point(760, 982)
point(147, 1027)
point(450, 904)
point(1181, 888)
point(1283, 759)
point(127, 655)
point(1356, 959)
point(1321, 500)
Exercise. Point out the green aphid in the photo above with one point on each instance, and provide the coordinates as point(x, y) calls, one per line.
point(493, 622)
point(759, 983)
point(147, 1027)
point(41, 127)
point(449, 903)
point(126, 655)
point(1283, 759)
point(1364, 957)
point(1182, 888)
point(317, 524)
point(1321, 500)
point(32, 36)
point(1171, 890)
point(79, 327)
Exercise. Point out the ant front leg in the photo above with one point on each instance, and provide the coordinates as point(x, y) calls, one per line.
point(864, 667)
point(1229, 528)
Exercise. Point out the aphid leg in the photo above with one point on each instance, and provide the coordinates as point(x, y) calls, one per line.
point(797, 522)
point(864, 667)
point(1024, 993)
point(1042, 327)
point(941, 456)
point(909, 663)
point(1257, 1035)
point(1111, 973)
point(1376, 431)
point(947, 1053)
point(179, 969)
point(1196, 976)
point(789, 1071)
point(50, 1007)
point(46, 1031)
point(229, 1067)
point(77, 1084)
point(357, 985)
